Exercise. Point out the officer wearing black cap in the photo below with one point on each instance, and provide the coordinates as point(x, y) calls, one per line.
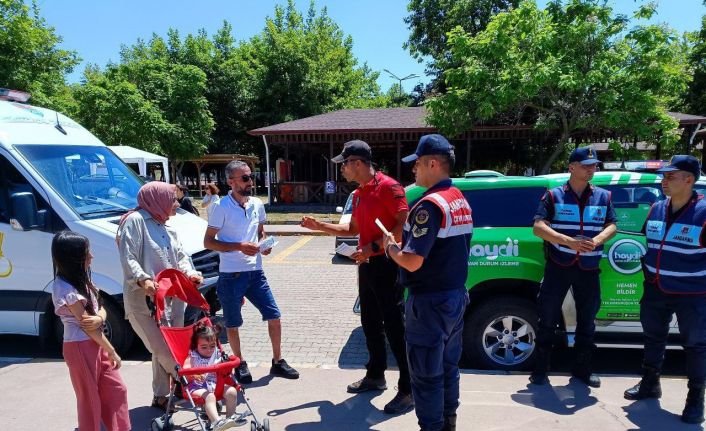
point(675, 283)
point(574, 220)
point(433, 258)
point(377, 197)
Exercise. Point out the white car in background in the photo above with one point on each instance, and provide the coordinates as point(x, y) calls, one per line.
point(346, 212)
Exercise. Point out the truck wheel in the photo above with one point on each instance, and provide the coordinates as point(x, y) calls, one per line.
point(500, 334)
point(117, 330)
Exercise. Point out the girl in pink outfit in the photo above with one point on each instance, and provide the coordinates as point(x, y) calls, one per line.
point(203, 352)
point(101, 395)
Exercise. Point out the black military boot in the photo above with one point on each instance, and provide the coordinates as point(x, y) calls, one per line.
point(541, 366)
point(649, 386)
point(694, 409)
point(582, 368)
point(449, 423)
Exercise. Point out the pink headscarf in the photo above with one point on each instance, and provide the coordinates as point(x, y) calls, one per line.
point(155, 197)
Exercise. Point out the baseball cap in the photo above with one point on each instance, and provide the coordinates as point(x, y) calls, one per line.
point(584, 155)
point(683, 162)
point(430, 145)
point(356, 148)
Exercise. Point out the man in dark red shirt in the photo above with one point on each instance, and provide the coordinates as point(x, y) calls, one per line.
point(377, 197)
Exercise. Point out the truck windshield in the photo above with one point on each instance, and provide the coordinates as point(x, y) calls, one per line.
point(92, 179)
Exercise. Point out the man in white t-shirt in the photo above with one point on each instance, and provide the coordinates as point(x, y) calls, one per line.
point(235, 226)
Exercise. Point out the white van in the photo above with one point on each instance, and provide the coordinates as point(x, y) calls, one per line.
point(56, 175)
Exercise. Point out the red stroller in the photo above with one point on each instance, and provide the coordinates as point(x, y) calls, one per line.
point(173, 283)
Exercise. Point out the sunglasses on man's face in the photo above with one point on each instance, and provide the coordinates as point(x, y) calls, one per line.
point(348, 160)
point(245, 178)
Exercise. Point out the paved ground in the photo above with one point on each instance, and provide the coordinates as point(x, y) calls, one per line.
point(41, 398)
point(322, 337)
point(316, 298)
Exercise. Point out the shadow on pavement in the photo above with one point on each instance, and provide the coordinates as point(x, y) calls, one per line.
point(560, 400)
point(337, 259)
point(649, 415)
point(357, 413)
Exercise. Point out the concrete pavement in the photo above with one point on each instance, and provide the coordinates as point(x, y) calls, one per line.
point(41, 398)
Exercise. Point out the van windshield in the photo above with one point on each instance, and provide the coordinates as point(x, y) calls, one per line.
point(92, 179)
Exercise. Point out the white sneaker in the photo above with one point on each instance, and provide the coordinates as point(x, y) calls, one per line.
point(223, 424)
point(238, 419)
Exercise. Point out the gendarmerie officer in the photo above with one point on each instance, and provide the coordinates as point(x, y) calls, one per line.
point(434, 265)
point(675, 283)
point(575, 220)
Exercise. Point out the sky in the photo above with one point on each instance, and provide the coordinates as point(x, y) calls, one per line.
point(97, 29)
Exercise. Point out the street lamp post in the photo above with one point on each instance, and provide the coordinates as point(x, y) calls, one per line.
point(410, 76)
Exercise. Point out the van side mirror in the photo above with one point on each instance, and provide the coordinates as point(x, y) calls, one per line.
point(24, 214)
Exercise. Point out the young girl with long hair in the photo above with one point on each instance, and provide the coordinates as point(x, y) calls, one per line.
point(101, 395)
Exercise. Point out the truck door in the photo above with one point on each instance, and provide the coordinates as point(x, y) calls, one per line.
point(621, 268)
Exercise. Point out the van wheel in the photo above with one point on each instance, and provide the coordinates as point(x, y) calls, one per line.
point(500, 334)
point(117, 330)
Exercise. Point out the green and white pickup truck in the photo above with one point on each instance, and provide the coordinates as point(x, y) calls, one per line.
point(506, 265)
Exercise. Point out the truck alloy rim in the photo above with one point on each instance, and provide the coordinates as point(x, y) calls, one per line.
point(508, 340)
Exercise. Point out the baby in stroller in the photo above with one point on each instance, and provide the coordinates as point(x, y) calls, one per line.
point(197, 350)
point(203, 352)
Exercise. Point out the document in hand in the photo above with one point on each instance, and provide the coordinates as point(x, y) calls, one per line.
point(267, 243)
point(382, 227)
point(345, 250)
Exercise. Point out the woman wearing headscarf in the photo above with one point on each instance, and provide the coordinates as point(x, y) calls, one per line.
point(147, 246)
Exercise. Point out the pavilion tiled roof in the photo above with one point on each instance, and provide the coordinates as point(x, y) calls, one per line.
point(383, 120)
point(354, 120)
point(687, 118)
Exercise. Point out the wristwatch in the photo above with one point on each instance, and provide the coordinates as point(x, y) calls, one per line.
point(374, 247)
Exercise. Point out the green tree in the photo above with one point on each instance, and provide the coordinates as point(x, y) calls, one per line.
point(430, 22)
point(150, 104)
point(572, 67)
point(298, 67)
point(30, 59)
point(696, 95)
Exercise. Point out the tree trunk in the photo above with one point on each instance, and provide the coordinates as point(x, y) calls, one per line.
point(179, 175)
point(552, 157)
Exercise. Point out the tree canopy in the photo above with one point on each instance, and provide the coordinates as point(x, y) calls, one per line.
point(199, 93)
point(30, 59)
point(696, 96)
point(573, 66)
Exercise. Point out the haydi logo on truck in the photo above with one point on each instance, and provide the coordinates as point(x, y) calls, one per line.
point(491, 252)
point(506, 263)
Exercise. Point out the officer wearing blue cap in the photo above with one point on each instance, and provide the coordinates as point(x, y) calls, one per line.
point(433, 258)
point(675, 283)
point(574, 220)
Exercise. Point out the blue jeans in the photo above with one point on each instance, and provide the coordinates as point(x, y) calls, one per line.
point(233, 286)
point(434, 327)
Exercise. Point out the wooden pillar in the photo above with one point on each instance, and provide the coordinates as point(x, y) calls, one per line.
point(399, 158)
point(198, 177)
point(332, 166)
point(468, 152)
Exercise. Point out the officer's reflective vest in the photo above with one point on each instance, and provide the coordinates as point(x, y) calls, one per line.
point(676, 259)
point(457, 219)
point(571, 221)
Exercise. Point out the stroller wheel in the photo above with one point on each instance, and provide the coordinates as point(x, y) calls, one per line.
point(157, 424)
point(266, 424)
point(253, 426)
point(162, 423)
